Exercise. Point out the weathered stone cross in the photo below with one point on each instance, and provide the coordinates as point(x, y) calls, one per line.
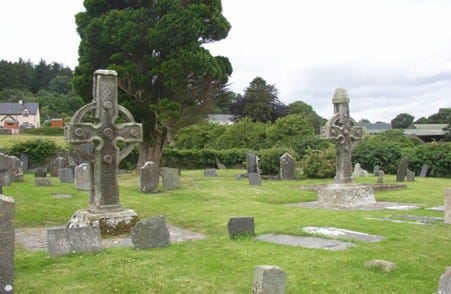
point(103, 135)
point(345, 133)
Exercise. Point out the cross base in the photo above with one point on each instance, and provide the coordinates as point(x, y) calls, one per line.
point(346, 196)
point(115, 222)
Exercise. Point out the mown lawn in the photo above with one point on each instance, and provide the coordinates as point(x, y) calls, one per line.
point(220, 265)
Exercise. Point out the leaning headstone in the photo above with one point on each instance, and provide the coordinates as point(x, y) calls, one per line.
point(61, 241)
point(424, 170)
point(7, 239)
point(4, 179)
point(66, 175)
point(149, 175)
point(255, 179)
point(269, 279)
point(56, 165)
point(42, 182)
point(444, 285)
point(402, 170)
point(287, 168)
point(13, 165)
point(241, 226)
point(210, 172)
point(41, 172)
point(359, 171)
point(376, 170)
point(251, 162)
point(171, 178)
point(447, 205)
point(24, 160)
point(410, 177)
point(82, 177)
point(380, 178)
point(150, 233)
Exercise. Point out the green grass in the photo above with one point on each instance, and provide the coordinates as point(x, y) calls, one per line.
point(220, 265)
point(7, 140)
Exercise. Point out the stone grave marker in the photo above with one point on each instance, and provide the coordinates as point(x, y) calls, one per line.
point(402, 170)
point(42, 182)
point(287, 167)
point(376, 170)
point(410, 177)
point(4, 179)
point(380, 178)
point(241, 226)
point(24, 160)
point(13, 165)
point(105, 209)
point(255, 179)
point(150, 233)
point(444, 285)
point(269, 279)
point(82, 178)
point(62, 241)
point(359, 171)
point(149, 175)
point(7, 240)
point(41, 172)
point(251, 162)
point(424, 170)
point(66, 175)
point(447, 205)
point(219, 164)
point(336, 233)
point(210, 172)
point(56, 165)
point(171, 178)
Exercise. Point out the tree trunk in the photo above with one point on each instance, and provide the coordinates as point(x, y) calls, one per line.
point(151, 151)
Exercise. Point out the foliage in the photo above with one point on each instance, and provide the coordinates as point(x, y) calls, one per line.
point(242, 134)
point(44, 131)
point(38, 150)
point(288, 130)
point(156, 48)
point(269, 162)
point(223, 101)
point(443, 116)
point(436, 155)
point(303, 109)
point(202, 158)
point(319, 163)
point(198, 136)
point(402, 121)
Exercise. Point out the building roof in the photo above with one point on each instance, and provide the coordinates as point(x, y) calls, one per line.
point(375, 128)
point(8, 108)
point(224, 119)
point(426, 130)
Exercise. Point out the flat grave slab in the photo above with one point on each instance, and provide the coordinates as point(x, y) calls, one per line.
point(409, 219)
point(375, 206)
point(35, 239)
point(335, 233)
point(305, 242)
point(437, 208)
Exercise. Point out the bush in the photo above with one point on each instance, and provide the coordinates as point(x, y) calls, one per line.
point(37, 150)
point(437, 155)
point(202, 158)
point(269, 162)
point(44, 131)
point(319, 163)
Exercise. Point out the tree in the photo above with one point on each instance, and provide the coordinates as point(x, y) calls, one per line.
point(402, 121)
point(167, 78)
point(286, 131)
point(305, 110)
point(260, 102)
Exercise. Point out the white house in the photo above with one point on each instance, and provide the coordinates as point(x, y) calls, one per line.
point(19, 115)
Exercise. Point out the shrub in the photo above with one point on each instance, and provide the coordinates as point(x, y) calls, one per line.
point(38, 150)
point(319, 163)
point(437, 155)
point(269, 162)
point(44, 131)
point(201, 158)
point(242, 134)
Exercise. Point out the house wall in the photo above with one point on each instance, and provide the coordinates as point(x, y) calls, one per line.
point(33, 119)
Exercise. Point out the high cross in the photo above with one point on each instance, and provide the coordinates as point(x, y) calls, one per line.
point(103, 134)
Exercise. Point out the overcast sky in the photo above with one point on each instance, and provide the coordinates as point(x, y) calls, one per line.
point(392, 56)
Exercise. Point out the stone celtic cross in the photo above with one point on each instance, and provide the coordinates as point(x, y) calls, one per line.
point(103, 134)
point(344, 132)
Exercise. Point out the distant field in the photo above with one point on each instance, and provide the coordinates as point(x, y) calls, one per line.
point(7, 140)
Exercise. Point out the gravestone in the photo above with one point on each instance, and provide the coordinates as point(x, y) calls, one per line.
point(424, 170)
point(171, 178)
point(345, 133)
point(241, 226)
point(149, 177)
point(66, 175)
point(41, 172)
point(287, 168)
point(210, 172)
point(56, 165)
point(447, 205)
point(359, 171)
point(62, 241)
point(4, 179)
point(376, 170)
point(255, 179)
point(14, 167)
point(24, 160)
point(402, 170)
point(7, 239)
point(269, 279)
point(380, 178)
point(42, 182)
point(444, 285)
point(410, 177)
point(82, 177)
point(251, 162)
point(219, 164)
point(105, 209)
point(150, 233)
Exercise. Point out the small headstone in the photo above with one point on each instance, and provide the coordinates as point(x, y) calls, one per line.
point(24, 160)
point(4, 177)
point(210, 172)
point(402, 170)
point(66, 175)
point(269, 279)
point(82, 177)
point(149, 177)
point(171, 178)
point(56, 165)
point(41, 172)
point(241, 226)
point(255, 179)
point(42, 182)
point(384, 265)
point(61, 241)
point(376, 170)
point(447, 204)
point(13, 165)
point(410, 177)
point(287, 168)
point(7, 239)
point(150, 233)
point(380, 178)
point(359, 171)
point(251, 161)
point(444, 285)
point(424, 170)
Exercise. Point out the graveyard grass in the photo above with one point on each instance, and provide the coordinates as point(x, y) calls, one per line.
point(220, 265)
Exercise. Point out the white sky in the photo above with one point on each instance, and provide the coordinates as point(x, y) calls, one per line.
point(392, 56)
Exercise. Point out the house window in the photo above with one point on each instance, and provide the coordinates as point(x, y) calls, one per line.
point(25, 113)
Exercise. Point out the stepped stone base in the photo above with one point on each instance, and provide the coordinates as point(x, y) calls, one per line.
point(113, 222)
point(346, 195)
